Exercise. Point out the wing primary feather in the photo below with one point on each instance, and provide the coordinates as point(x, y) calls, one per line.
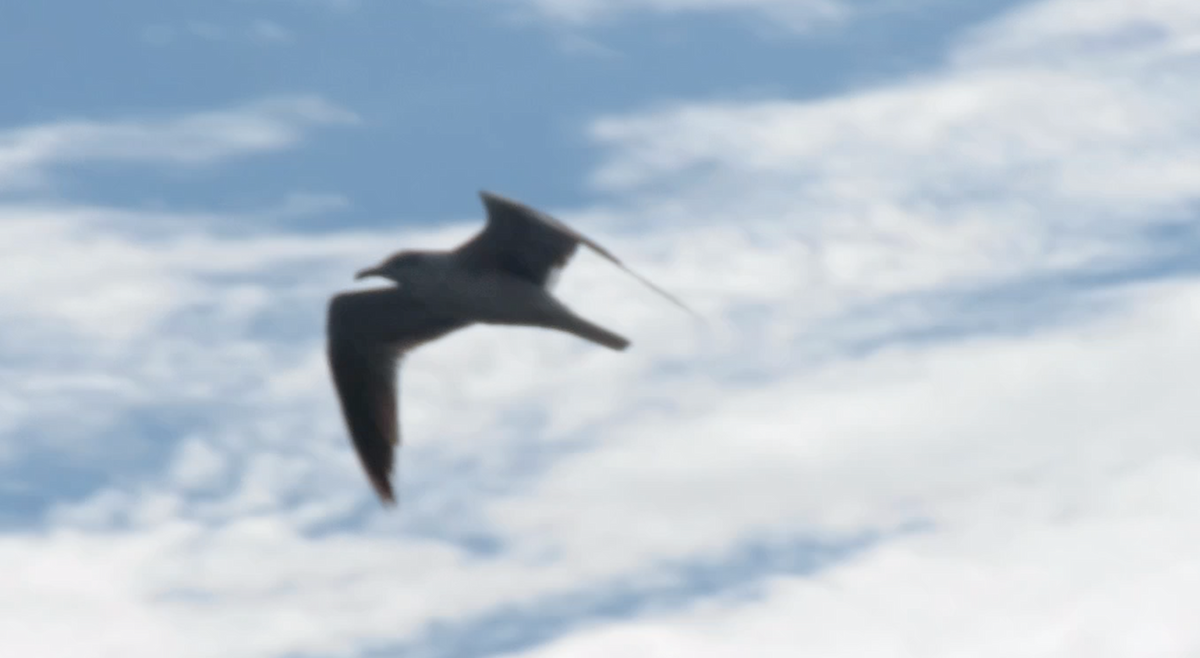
point(608, 255)
point(649, 284)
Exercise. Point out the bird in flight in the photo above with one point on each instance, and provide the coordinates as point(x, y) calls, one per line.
point(500, 276)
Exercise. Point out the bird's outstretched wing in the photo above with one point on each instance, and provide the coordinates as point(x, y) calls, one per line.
point(368, 332)
point(532, 244)
point(519, 240)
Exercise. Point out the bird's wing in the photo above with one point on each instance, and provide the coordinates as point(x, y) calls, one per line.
point(532, 244)
point(519, 240)
point(368, 332)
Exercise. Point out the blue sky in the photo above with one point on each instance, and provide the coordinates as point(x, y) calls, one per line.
point(455, 94)
point(941, 406)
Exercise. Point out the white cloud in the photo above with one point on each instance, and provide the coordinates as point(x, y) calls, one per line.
point(1070, 424)
point(1113, 576)
point(28, 153)
point(1052, 458)
point(795, 14)
point(1086, 34)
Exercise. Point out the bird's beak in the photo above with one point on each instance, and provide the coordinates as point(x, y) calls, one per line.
point(370, 271)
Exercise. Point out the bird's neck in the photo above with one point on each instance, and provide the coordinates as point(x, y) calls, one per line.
point(436, 261)
point(429, 279)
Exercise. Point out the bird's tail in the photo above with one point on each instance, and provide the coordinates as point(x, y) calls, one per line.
point(593, 332)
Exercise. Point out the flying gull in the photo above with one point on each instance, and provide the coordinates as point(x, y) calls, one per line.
point(500, 276)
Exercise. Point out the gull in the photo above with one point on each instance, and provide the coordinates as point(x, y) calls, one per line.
point(501, 276)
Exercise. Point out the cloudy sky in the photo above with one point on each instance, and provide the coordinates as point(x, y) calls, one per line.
point(943, 405)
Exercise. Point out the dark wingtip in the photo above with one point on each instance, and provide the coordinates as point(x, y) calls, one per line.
point(383, 489)
point(493, 199)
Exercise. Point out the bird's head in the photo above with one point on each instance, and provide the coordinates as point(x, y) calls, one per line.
point(396, 267)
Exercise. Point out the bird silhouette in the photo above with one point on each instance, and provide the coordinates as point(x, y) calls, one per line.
point(500, 276)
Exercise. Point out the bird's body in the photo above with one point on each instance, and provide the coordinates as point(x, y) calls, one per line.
point(499, 277)
point(490, 296)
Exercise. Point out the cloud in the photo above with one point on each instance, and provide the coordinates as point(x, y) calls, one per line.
point(1085, 34)
point(1026, 431)
point(800, 15)
point(952, 328)
point(1054, 471)
point(1108, 573)
point(1020, 159)
point(28, 154)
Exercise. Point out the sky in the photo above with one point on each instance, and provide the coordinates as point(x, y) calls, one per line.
point(941, 404)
